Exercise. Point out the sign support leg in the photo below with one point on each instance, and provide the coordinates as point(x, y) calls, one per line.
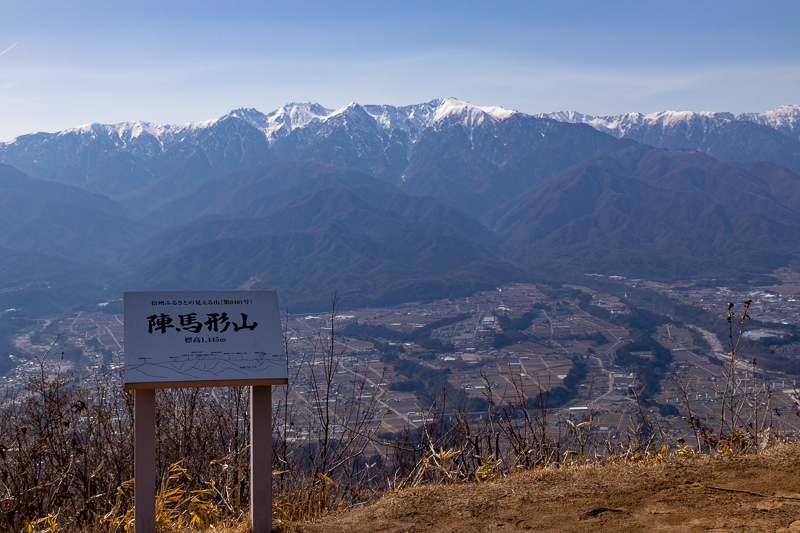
point(144, 460)
point(260, 458)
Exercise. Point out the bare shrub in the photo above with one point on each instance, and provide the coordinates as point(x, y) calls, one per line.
point(745, 422)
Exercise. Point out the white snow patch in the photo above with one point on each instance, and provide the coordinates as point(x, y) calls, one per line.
point(290, 117)
point(472, 114)
point(784, 117)
point(620, 125)
point(341, 110)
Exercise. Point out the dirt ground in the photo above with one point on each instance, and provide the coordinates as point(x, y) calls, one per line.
point(722, 494)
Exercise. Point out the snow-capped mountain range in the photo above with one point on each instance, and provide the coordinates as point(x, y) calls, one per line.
point(144, 164)
point(121, 159)
point(283, 121)
point(785, 118)
point(772, 135)
point(413, 119)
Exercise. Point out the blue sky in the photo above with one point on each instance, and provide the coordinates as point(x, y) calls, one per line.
point(68, 63)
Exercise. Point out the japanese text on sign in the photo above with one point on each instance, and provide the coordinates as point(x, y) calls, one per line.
point(216, 322)
point(182, 337)
point(155, 303)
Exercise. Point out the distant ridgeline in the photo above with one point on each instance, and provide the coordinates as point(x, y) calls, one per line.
point(392, 204)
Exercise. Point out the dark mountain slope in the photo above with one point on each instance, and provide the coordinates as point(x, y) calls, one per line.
point(373, 247)
point(477, 169)
point(13, 180)
point(642, 211)
point(20, 268)
point(57, 219)
point(358, 210)
point(259, 190)
point(308, 267)
point(782, 181)
point(39, 284)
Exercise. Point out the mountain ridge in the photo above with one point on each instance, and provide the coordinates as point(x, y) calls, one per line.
point(772, 135)
point(642, 210)
point(143, 164)
point(785, 118)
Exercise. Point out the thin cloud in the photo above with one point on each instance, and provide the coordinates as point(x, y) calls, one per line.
point(9, 48)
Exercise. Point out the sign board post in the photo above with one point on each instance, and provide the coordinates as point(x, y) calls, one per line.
point(144, 459)
point(261, 457)
point(203, 339)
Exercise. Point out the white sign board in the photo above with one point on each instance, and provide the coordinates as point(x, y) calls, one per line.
point(202, 338)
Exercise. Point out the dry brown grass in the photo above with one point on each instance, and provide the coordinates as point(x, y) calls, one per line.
point(719, 492)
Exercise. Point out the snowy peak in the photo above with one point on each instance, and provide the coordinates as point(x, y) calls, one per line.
point(780, 116)
point(414, 118)
point(468, 115)
point(616, 126)
point(138, 131)
point(410, 119)
point(290, 117)
point(352, 115)
point(352, 106)
point(671, 118)
point(784, 118)
point(451, 106)
point(621, 125)
point(252, 116)
point(123, 130)
point(572, 117)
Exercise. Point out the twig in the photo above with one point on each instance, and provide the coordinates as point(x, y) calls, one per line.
point(752, 493)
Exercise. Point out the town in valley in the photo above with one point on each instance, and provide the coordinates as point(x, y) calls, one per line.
point(516, 341)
